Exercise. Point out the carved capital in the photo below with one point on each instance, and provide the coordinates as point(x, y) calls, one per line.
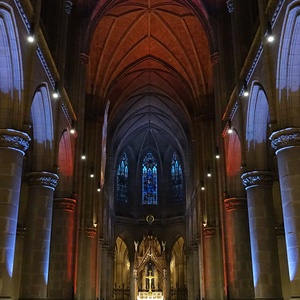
point(68, 6)
point(230, 6)
point(84, 58)
point(18, 140)
point(66, 204)
point(90, 232)
point(209, 231)
point(45, 179)
point(257, 178)
point(235, 204)
point(285, 138)
point(215, 58)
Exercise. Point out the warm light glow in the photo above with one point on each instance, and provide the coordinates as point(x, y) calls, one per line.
point(270, 38)
point(83, 157)
point(72, 131)
point(246, 93)
point(55, 95)
point(92, 175)
point(202, 188)
point(217, 156)
point(230, 130)
point(30, 38)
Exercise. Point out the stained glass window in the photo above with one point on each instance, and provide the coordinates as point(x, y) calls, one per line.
point(122, 179)
point(176, 179)
point(149, 180)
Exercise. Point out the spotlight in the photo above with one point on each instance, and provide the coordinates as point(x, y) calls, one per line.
point(202, 186)
point(230, 130)
point(30, 37)
point(217, 153)
point(208, 172)
point(55, 93)
point(72, 130)
point(83, 156)
point(270, 36)
point(99, 187)
point(245, 89)
point(92, 175)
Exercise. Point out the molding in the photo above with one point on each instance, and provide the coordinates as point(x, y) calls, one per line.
point(209, 231)
point(43, 179)
point(17, 140)
point(235, 204)
point(66, 204)
point(230, 6)
point(285, 138)
point(90, 232)
point(257, 178)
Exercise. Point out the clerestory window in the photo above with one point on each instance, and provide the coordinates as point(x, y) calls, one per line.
point(122, 179)
point(176, 179)
point(149, 180)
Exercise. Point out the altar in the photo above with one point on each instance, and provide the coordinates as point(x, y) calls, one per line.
point(150, 296)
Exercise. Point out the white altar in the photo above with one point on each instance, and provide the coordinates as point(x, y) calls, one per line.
point(150, 296)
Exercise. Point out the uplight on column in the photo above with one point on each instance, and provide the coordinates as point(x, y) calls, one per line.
point(270, 35)
point(31, 37)
point(245, 89)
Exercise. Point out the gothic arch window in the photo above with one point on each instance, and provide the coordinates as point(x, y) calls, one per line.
point(122, 179)
point(176, 179)
point(149, 180)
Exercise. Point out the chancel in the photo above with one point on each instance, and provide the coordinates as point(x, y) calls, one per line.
point(149, 150)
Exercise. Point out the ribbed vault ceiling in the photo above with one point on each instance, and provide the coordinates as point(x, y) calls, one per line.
point(151, 60)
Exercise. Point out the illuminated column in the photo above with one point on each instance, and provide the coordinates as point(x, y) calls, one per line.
point(13, 144)
point(109, 274)
point(196, 271)
point(61, 268)
point(34, 278)
point(190, 274)
point(263, 239)
point(211, 264)
point(103, 271)
point(239, 268)
point(89, 263)
point(286, 143)
point(135, 284)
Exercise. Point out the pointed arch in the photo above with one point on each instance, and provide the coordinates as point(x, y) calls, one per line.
point(233, 156)
point(65, 164)
point(288, 69)
point(42, 126)
point(11, 73)
point(258, 117)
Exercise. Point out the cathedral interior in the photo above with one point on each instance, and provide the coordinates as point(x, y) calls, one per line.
point(150, 149)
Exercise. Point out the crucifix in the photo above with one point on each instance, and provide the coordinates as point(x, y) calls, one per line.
point(150, 277)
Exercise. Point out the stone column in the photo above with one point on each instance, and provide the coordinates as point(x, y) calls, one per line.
point(103, 271)
point(34, 278)
point(61, 269)
point(286, 143)
point(89, 264)
point(211, 264)
point(190, 274)
point(110, 274)
point(13, 144)
point(237, 239)
point(196, 271)
point(263, 239)
point(99, 268)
